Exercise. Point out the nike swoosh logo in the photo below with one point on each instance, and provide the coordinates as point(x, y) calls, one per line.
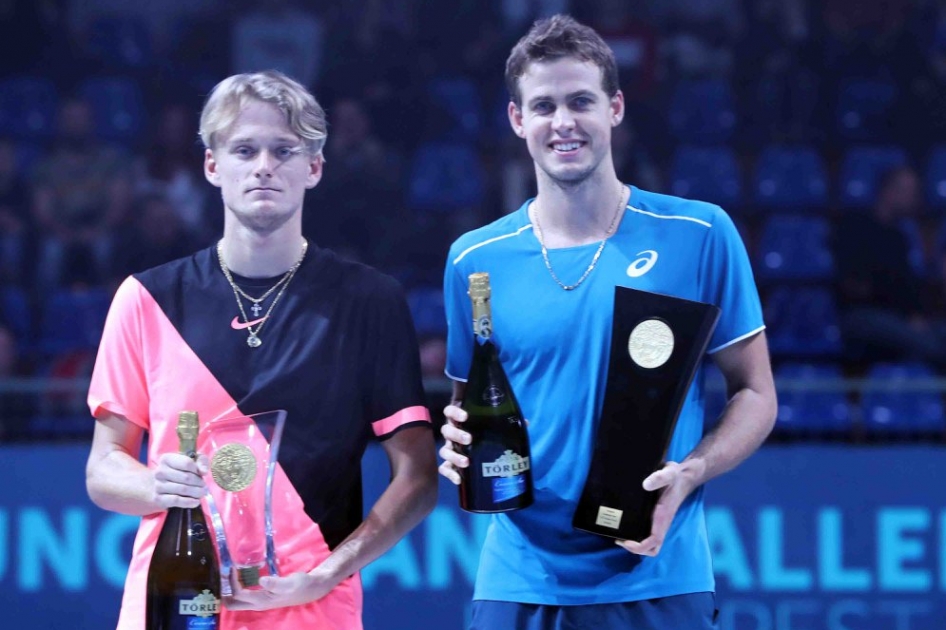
point(237, 325)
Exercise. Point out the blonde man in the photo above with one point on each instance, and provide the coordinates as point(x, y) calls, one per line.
point(266, 320)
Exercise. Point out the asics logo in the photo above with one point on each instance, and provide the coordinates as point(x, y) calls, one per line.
point(236, 324)
point(641, 265)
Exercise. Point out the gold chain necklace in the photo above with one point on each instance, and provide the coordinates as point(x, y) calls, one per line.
point(594, 260)
point(256, 308)
point(253, 340)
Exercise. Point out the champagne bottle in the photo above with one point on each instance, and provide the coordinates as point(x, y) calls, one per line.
point(183, 591)
point(499, 477)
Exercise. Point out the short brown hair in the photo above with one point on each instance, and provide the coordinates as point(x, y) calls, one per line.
point(554, 38)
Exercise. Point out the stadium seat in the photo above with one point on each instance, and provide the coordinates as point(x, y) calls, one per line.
point(860, 168)
point(459, 97)
point(28, 107)
point(805, 407)
point(795, 247)
point(707, 173)
point(802, 322)
point(864, 109)
point(936, 178)
point(28, 154)
point(15, 313)
point(117, 107)
point(72, 320)
point(702, 111)
point(790, 178)
point(911, 228)
point(891, 409)
point(446, 176)
point(121, 42)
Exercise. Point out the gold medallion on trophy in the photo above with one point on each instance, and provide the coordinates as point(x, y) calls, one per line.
point(651, 343)
point(233, 467)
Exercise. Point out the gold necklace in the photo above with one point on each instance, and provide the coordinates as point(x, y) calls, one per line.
point(594, 260)
point(253, 340)
point(256, 308)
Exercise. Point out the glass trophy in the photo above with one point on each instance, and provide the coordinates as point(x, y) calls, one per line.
point(242, 450)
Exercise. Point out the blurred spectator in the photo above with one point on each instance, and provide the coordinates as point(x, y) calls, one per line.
point(928, 117)
point(877, 40)
point(380, 67)
point(632, 162)
point(628, 30)
point(869, 38)
point(278, 35)
point(154, 236)
point(880, 292)
point(433, 356)
point(700, 35)
point(778, 72)
point(518, 16)
point(16, 408)
point(81, 192)
point(160, 17)
point(172, 167)
point(15, 225)
point(359, 210)
point(34, 38)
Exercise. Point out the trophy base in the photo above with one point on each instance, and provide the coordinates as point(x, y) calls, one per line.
point(248, 576)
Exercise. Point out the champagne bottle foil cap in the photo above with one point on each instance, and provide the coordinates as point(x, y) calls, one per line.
point(187, 428)
point(479, 286)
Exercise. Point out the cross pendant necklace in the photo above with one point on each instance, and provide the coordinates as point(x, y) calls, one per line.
point(256, 308)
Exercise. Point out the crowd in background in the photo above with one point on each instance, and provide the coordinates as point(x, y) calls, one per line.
point(820, 127)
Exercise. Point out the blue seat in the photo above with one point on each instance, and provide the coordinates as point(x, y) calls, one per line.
point(892, 409)
point(121, 42)
point(459, 97)
point(702, 111)
point(72, 320)
point(936, 178)
point(117, 107)
point(795, 247)
point(791, 178)
point(860, 169)
point(427, 309)
point(15, 313)
point(805, 407)
point(446, 176)
point(914, 233)
point(864, 108)
point(802, 322)
point(27, 155)
point(708, 174)
point(28, 107)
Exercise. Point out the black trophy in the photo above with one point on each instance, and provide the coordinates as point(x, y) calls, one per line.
point(657, 344)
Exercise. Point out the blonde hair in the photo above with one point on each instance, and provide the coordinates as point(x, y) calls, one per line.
point(305, 116)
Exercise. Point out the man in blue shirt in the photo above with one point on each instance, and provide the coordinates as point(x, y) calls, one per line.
point(553, 266)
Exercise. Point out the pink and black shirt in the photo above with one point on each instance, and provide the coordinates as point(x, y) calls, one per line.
point(339, 353)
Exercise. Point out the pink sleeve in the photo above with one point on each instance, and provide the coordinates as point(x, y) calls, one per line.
point(118, 382)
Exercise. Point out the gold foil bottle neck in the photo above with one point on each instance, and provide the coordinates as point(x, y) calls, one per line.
point(479, 295)
point(187, 431)
point(479, 286)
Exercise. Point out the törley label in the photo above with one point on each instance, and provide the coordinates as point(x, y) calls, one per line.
point(509, 464)
point(204, 605)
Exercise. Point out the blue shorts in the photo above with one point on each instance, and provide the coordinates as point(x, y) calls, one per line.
point(694, 611)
